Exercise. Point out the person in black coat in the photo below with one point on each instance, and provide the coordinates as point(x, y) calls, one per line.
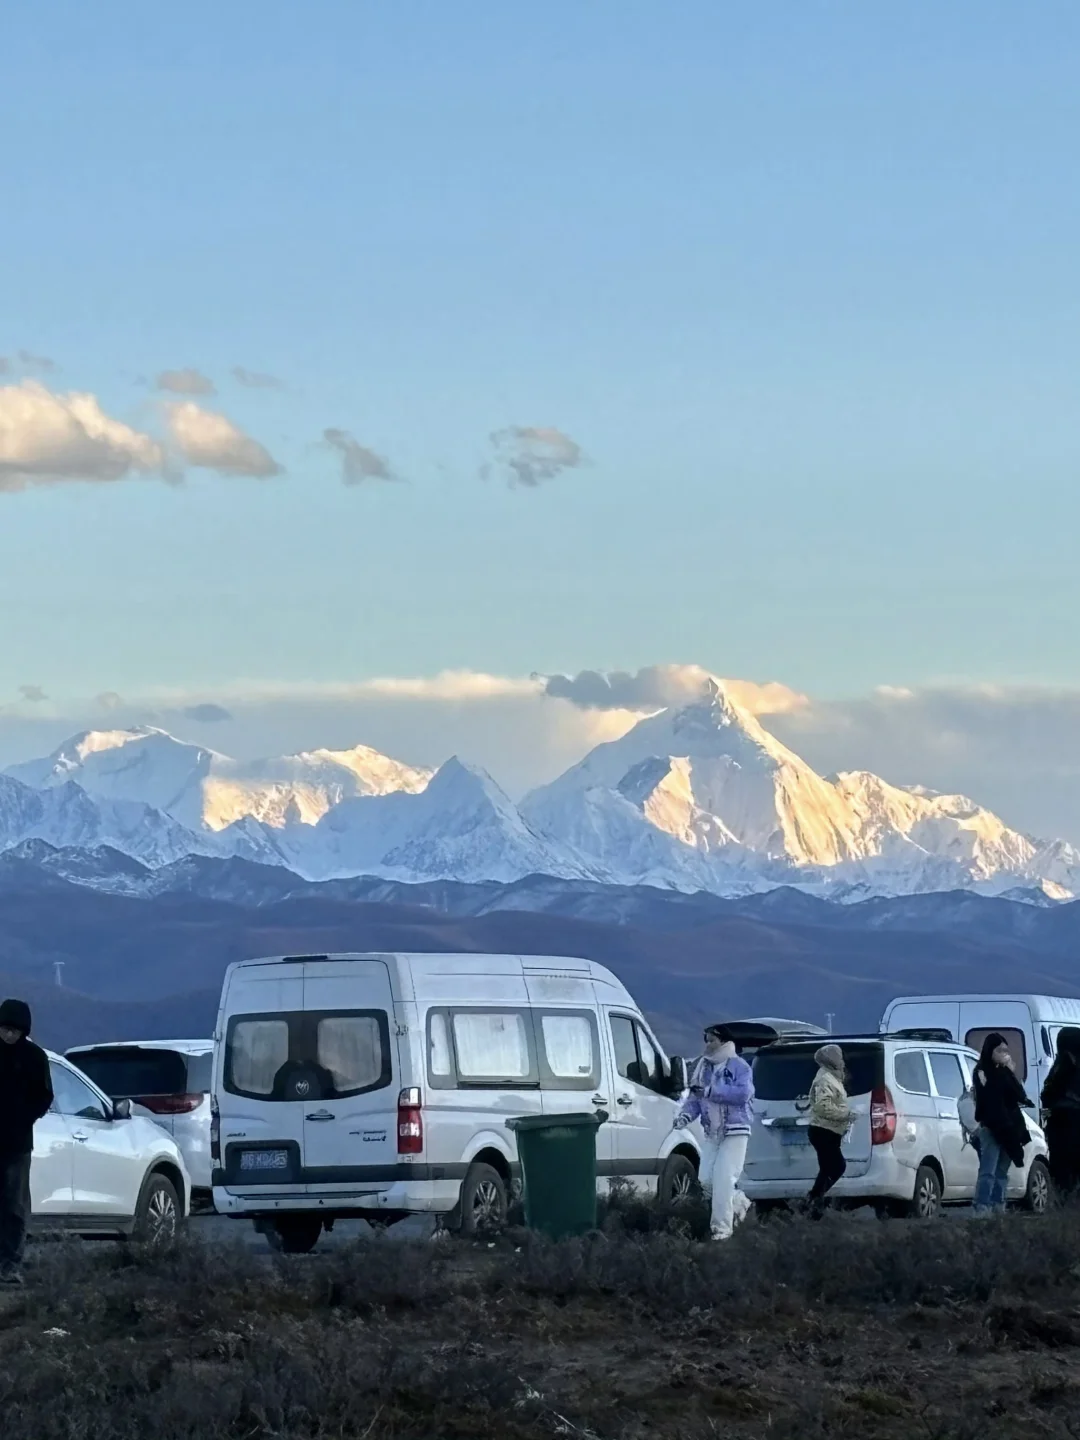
point(25, 1096)
point(1061, 1101)
point(1003, 1132)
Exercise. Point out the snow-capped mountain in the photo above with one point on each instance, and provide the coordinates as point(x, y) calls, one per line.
point(461, 827)
point(701, 798)
point(203, 789)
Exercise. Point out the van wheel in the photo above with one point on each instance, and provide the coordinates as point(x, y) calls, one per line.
point(483, 1203)
point(926, 1202)
point(678, 1181)
point(157, 1216)
point(1037, 1195)
point(295, 1234)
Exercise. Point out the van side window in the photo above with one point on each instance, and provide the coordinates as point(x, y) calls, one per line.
point(626, 1056)
point(1013, 1038)
point(949, 1080)
point(440, 1061)
point(492, 1045)
point(570, 1053)
point(910, 1070)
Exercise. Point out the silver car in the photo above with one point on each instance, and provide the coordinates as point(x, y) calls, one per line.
point(907, 1152)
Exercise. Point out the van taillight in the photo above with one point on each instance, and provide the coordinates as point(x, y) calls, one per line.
point(410, 1123)
point(215, 1131)
point(882, 1116)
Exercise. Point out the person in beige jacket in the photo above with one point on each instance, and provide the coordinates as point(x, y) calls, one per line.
point(831, 1117)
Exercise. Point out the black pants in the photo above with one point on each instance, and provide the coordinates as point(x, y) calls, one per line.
point(14, 1208)
point(831, 1163)
point(1063, 1138)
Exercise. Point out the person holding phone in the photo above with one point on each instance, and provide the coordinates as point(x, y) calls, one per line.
point(722, 1098)
point(999, 1111)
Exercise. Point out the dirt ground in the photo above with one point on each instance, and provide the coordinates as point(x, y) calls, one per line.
point(889, 1329)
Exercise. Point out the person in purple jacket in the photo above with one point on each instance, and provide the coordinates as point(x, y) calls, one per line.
point(722, 1098)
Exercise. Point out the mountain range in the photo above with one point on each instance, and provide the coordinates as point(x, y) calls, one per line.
point(701, 799)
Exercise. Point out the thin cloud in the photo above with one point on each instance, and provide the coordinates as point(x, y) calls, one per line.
point(207, 714)
point(256, 380)
point(659, 687)
point(530, 455)
point(5, 365)
point(34, 694)
point(358, 463)
point(47, 438)
point(185, 382)
point(211, 441)
point(109, 700)
point(36, 362)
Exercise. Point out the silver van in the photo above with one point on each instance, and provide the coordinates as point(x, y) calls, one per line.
point(907, 1153)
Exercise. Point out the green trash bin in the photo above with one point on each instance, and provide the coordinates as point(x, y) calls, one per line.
point(558, 1168)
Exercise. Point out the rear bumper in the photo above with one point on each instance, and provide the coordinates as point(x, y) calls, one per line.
point(885, 1179)
point(435, 1197)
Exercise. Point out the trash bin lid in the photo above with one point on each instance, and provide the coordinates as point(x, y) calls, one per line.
point(555, 1122)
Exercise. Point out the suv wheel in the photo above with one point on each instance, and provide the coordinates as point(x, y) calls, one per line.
point(1037, 1195)
point(926, 1202)
point(678, 1181)
point(483, 1202)
point(295, 1234)
point(157, 1216)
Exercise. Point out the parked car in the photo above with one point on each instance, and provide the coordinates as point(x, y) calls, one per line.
point(380, 1085)
point(170, 1081)
point(907, 1152)
point(1030, 1024)
point(100, 1169)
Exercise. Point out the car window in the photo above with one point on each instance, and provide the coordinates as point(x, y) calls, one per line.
point(1013, 1038)
point(786, 1073)
point(491, 1045)
point(256, 1051)
point(128, 1072)
point(626, 1056)
point(570, 1050)
point(909, 1067)
point(949, 1078)
point(651, 1066)
point(350, 1048)
point(200, 1069)
point(440, 1058)
point(72, 1095)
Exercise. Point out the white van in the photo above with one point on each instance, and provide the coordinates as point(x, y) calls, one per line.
point(1030, 1024)
point(380, 1085)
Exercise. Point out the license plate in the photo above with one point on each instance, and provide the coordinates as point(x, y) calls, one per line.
point(794, 1137)
point(264, 1160)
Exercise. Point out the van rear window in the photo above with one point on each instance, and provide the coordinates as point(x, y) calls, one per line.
point(307, 1055)
point(787, 1072)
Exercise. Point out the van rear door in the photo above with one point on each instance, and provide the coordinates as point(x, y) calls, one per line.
point(780, 1147)
point(348, 1045)
point(262, 1123)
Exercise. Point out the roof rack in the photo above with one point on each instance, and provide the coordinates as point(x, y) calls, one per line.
point(940, 1037)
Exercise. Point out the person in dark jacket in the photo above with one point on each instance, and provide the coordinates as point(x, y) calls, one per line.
point(25, 1096)
point(1003, 1132)
point(1061, 1100)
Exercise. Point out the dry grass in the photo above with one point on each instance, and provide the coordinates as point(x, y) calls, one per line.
point(793, 1329)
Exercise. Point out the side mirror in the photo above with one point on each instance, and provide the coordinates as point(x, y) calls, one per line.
point(122, 1110)
point(678, 1076)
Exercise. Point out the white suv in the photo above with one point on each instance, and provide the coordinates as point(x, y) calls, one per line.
point(168, 1080)
point(99, 1169)
point(907, 1152)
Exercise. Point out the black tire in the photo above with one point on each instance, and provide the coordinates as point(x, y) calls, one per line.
point(1040, 1190)
point(295, 1234)
point(678, 1181)
point(157, 1215)
point(483, 1203)
point(926, 1201)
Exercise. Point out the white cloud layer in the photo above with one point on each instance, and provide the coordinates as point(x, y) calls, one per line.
point(48, 438)
point(210, 440)
point(1015, 750)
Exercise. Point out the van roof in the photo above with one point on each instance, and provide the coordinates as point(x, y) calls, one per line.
point(1046, 1005)
point(466, 960)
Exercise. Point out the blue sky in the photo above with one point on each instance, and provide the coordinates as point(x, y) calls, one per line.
point(799, 279)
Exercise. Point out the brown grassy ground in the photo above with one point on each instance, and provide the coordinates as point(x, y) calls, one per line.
point(855, 1328)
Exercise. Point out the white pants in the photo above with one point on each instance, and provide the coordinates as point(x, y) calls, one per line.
point(722, 1163)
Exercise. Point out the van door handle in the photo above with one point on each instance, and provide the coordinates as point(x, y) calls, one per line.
point(624, 1100)
point(80, 1135)
point(320, 1115)
point(599, 1099)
